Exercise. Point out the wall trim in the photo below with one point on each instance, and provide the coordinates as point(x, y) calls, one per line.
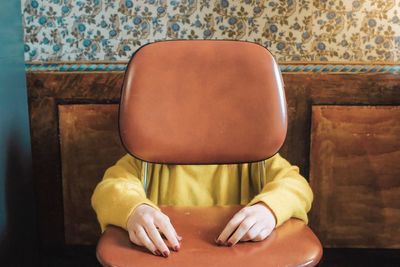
point(286, 67)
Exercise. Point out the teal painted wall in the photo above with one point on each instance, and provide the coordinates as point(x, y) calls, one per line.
point(17, 222)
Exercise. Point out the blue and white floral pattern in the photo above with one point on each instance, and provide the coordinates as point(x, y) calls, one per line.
point(294, 30)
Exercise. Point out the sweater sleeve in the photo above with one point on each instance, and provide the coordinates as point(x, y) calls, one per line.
point(119, 193)
point(286, 192)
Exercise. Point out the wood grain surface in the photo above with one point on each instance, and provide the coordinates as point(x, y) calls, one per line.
point(355, 175)
point(89, 142)
point(48, 91)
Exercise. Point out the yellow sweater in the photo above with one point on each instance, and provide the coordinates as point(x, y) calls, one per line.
point(285, 191)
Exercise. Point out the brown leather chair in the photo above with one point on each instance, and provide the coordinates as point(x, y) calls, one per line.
point(218, 84)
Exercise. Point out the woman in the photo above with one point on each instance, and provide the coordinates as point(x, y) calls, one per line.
point(270, 198)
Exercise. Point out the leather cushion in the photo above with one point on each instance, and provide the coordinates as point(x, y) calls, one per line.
point(202, 102)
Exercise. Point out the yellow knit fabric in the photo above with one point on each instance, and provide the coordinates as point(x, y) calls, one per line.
point(284, 191)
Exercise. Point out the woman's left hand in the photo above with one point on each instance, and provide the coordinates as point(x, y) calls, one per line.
point(252, 223)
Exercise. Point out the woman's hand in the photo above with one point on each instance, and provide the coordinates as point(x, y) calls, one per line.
point(144, 227)
point(253, 223)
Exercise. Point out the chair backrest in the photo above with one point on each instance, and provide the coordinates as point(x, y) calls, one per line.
point(202, 102)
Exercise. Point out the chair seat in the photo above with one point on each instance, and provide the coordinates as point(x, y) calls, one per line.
point(291, 244)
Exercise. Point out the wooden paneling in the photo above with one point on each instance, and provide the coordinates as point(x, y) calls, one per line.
point(89, 142)
point(48, 91)
point(355, 175)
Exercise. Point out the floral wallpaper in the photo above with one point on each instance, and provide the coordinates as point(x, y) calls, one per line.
point(293, 30)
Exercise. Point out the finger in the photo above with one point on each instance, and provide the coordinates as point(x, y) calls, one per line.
point(176, 234)
point(253, 232)
point(230, 227)
point(169, 232)
point(134, 239)
point(145, 240)
point(263, 234)
point(243, 228)
point(178, 237)
point(156, 238)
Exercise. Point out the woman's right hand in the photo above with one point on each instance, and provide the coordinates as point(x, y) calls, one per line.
point(144, 227)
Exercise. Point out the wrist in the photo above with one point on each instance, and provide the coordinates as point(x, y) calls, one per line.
point(270, 210)
point(141, 207)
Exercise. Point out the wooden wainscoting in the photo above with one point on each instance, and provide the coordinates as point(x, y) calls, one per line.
point(355, 174)
point(74, 139)
point(90, 144)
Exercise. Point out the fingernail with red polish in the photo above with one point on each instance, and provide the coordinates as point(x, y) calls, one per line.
point(230, 244)
point(176, 248)
point(165, 253)
point(219, 242)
